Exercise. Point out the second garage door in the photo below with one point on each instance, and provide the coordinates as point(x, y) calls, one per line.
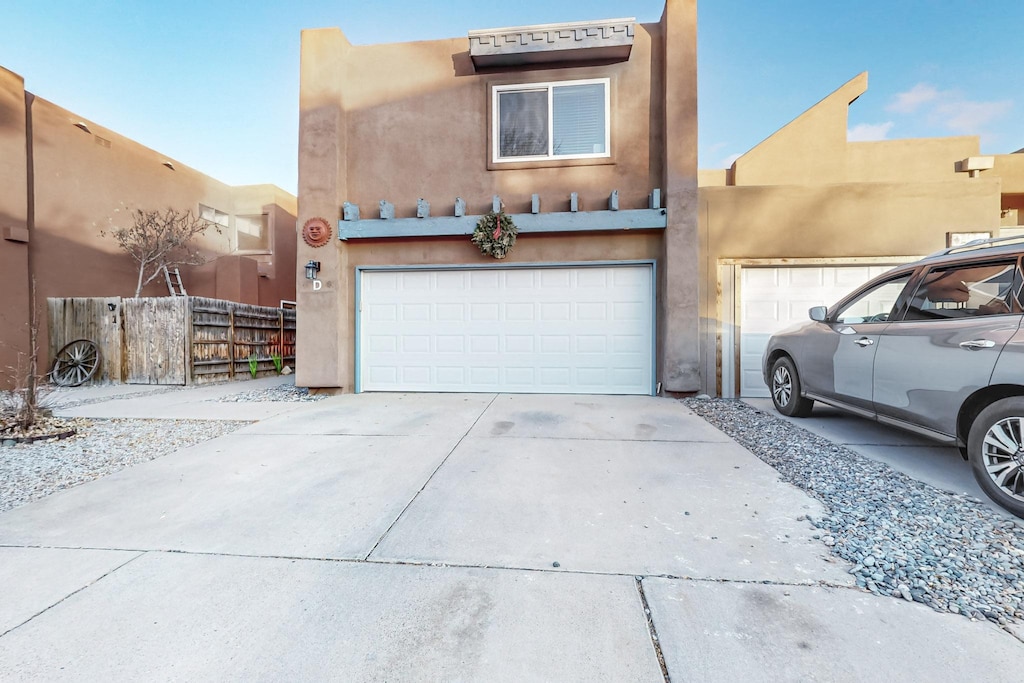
point(581, 329)
point(773, 298)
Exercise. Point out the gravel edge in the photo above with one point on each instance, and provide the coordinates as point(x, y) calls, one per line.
point(905, 538)
point(31, 471)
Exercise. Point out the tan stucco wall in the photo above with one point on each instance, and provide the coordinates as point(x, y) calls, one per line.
point(856, 219)
point(86, 183)
point(1010, 168)
point(14, 277)
point(407, 121)
point(813, 150)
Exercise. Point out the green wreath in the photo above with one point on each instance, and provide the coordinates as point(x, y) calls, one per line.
point(495, 234)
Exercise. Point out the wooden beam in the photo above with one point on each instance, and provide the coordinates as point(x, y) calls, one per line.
point(445, 226)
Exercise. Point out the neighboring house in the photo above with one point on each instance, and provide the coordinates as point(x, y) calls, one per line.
point(64, 181)
point(806, 216)
point(586, 134)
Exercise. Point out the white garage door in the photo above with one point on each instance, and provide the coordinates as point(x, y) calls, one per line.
point(586, 329)
point(772, 299)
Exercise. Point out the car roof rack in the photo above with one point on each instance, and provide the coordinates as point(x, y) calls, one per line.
point(975, 245)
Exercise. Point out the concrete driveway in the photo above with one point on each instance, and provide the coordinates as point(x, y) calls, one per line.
point(394, 537)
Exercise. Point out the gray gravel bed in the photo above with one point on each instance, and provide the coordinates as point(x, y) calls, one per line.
point(905, 538)
point(32, 471)
point(281, 393)
point(60, 398)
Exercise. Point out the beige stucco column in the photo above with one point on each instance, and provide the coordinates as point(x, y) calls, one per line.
point(14, 227)
point(679, 267)
point(323, 321)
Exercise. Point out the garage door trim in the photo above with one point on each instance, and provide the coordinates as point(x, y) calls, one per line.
point(507, 266)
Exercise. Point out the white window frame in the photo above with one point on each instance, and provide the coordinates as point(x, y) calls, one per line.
point(548, 86)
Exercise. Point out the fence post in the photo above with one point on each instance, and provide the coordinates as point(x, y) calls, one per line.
point(280, 334)
point(190, 353)
point(231, 342)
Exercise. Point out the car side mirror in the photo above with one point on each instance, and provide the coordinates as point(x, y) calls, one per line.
point(817, 313)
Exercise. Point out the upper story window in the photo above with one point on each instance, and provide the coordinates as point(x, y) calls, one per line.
point(213, 215)
point(252, 233)
point(542, 121)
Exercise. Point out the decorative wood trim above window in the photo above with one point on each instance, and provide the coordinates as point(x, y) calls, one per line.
point(602, 40)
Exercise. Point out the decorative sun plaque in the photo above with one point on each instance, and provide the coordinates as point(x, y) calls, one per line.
point(316, 232)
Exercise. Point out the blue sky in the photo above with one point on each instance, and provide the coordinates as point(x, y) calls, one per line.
point(214, 84)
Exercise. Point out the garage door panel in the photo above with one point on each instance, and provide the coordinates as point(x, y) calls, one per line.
point(483, 279)
point(774, 298)
point(565, 330)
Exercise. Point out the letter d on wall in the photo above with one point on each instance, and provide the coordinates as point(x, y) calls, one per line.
point(317, 285)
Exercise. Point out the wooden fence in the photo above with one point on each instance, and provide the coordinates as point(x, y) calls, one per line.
point(175, 340)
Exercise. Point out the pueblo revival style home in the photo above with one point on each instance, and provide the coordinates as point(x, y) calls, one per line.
point(584, 134)
point(626, 277)
point(66, 181)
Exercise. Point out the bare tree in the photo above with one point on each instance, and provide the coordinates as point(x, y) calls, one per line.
point(159, 239)
point(22, 406)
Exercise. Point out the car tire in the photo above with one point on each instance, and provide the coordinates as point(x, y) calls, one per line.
point(995, 446)
point(784, 384)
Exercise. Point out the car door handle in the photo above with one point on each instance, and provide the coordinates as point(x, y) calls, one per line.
point(864, 341)
point(975, 344)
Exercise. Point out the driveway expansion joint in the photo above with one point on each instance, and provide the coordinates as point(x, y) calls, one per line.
point(437, 564)
point(428, 479)
point(74, 592)
point(652, 629)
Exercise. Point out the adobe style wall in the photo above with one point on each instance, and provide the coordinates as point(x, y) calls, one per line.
point(84, 184)
point(807, 193)
point(14, 218)
point(406, 121)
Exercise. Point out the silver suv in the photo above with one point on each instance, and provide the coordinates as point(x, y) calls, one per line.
point(934, 347)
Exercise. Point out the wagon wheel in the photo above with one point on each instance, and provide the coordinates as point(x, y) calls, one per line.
point(75, 363)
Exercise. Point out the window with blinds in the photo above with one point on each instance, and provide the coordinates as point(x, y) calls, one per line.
point(540, 121)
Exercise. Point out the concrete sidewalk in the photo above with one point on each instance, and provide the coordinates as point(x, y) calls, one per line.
point(415, 537)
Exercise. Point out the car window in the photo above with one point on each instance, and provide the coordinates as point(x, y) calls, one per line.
point(875, 305)
point(967, 291)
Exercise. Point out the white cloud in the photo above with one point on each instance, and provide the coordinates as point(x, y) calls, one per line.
point(949, 109)
point(910, 101)
point(964, 116)
point(729, 160)
point(869, 132)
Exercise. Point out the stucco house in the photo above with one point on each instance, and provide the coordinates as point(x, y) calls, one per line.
point(806, 216)
point(626, 277)
point(585, 134)
point(66, 181)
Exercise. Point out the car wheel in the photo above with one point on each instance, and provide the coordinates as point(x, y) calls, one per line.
point(785, 387)
point(995, 445)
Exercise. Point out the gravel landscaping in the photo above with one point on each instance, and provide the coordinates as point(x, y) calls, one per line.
point(905, 538)
point(283, 392)
point(30, 471)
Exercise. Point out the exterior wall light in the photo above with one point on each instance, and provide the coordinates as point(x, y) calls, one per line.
point(312, 269)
